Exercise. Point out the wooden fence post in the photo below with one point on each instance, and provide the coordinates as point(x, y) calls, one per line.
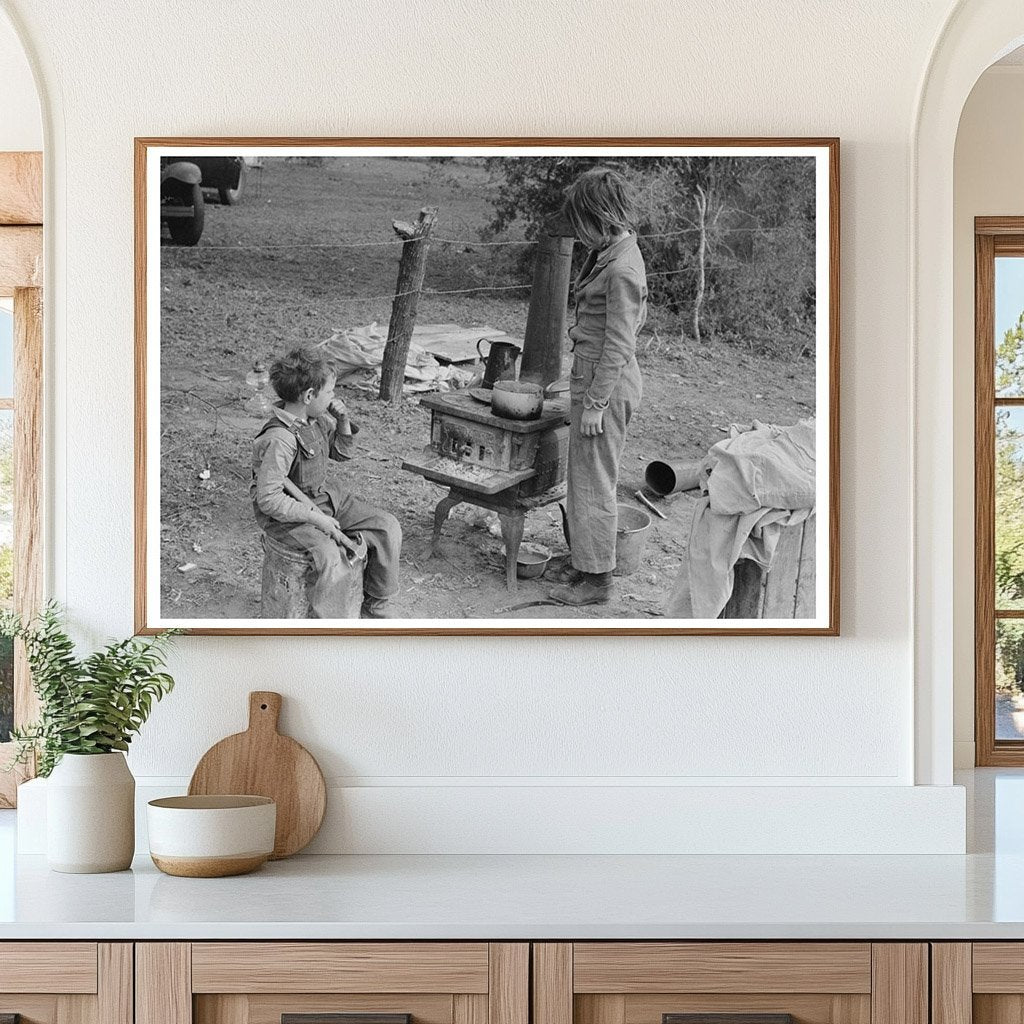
point(411, 269)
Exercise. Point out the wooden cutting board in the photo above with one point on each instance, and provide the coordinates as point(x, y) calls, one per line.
point(262, 762)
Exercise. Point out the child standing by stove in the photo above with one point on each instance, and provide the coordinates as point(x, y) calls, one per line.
point(604, 383)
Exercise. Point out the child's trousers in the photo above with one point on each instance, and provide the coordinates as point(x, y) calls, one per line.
point(380, 530)
point(593, 469)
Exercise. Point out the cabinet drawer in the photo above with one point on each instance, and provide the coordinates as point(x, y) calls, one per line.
point(340, 967)
point(66, 967)
point(332, 983)
point(730, 983)
point(634, 967)
point(66, 982)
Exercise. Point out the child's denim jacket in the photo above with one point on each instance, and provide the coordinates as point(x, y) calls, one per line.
point(611, 307)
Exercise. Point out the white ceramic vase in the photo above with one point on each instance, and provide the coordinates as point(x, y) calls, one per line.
point(90, 814)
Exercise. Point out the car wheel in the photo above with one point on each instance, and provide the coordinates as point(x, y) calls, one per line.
point(230, 196)
point(188, 231)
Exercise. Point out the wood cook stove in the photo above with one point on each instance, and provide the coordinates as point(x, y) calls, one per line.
point(504, 465)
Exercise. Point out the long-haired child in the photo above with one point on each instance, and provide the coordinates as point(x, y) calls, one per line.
point(604, 383)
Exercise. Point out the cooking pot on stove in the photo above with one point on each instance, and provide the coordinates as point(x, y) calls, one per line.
point(517, 400)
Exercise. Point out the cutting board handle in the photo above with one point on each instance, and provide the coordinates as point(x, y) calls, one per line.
point(264, 710)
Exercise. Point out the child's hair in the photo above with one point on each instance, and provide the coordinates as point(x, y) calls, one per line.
point(599, 201)
point(301, 369)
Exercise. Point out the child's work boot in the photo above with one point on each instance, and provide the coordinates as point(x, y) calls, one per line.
point(374, 608)
point(590, 588)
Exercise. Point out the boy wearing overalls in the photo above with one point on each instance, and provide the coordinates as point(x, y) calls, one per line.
point(306, 428)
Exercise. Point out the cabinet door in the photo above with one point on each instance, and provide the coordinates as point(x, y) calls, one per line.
point(332, 983)
point(65, 983)
point(730, 983)
point(980, 982)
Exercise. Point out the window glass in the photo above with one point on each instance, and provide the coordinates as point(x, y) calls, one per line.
point(1009, 679)
point(6, 353)
point(1009, 512)
point(1009, 327)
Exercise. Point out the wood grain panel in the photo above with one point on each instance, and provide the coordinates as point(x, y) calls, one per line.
point(21, 259)
point(267, 1009)
point(21, 188)
point(596, 1009)
point(163, 983)
point(951, 983)
point(65, 967)
point(998, 1009)
point(469, 1009)
point(998, 967)
point(552, 983)
point(141, 355)
point(115, 983)
point(229, 1009)
point(997, 225)
point(76, 1009)
point(508, 992)
point(984, 501)
point(850, 1009)
point(805, 1008)
point(635, 967)
point(899, 991)
point(28, 483)
point(339, 967)
point(34, 1009)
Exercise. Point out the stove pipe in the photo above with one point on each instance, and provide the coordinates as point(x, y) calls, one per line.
point(545, 342)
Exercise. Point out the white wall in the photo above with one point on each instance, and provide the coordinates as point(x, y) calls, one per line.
point(21, 127)
point(987, 182)
point(433, 716)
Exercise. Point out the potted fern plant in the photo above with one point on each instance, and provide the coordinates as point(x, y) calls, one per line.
point(90, 708)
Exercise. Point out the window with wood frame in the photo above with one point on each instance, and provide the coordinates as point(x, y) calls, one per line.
point(21, 466)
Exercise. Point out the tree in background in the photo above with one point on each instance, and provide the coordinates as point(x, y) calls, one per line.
point(1009, 509)
point(730, 241)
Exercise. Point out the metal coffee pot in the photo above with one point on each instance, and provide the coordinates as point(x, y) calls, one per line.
point(500, 363)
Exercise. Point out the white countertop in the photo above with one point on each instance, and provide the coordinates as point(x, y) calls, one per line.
point(977, 896)
point(517, 897)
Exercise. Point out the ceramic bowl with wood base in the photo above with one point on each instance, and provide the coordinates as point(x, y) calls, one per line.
point(211, 836)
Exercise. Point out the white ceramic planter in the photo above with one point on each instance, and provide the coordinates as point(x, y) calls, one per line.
point(90, 814)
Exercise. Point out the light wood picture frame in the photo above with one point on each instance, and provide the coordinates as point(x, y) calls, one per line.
point(282, 258)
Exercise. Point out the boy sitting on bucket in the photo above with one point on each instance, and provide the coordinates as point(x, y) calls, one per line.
point(307, 427)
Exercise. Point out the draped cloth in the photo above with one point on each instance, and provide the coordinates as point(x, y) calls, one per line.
point(755, 483)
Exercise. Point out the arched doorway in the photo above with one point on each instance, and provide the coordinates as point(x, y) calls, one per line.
point(977, 33)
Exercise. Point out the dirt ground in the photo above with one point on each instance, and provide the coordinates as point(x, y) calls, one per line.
point(226, 303)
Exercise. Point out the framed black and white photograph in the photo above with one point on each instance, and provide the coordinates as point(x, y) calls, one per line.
point(500, 386)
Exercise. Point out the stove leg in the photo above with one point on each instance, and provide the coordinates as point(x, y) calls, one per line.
point(441, 513)
point(512, 525)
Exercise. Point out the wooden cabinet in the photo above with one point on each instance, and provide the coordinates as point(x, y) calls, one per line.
point(309, 982)
point(512, 983)
point(978, 982)
point(758, 982)
point(66, 982)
